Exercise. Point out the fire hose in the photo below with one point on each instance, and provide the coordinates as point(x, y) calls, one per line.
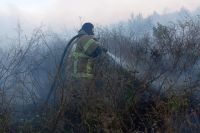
point(57, 75)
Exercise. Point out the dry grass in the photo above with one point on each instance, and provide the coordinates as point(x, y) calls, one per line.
point(154, 88)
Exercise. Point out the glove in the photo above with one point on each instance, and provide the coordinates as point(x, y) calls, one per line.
point(96, 39)
point(104, 50)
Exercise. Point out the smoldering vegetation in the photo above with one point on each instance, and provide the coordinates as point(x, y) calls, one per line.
point(149, 82)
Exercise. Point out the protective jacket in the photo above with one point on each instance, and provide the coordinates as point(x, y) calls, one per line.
point(84, 51)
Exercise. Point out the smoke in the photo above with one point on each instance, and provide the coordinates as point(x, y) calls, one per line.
point(60, 16)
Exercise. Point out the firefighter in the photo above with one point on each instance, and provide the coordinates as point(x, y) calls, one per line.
point(84, 51)
point(83, 55)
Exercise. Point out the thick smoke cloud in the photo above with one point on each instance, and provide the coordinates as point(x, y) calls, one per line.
point(59, 15)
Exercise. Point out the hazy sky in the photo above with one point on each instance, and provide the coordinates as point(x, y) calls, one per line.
point(68, 12)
